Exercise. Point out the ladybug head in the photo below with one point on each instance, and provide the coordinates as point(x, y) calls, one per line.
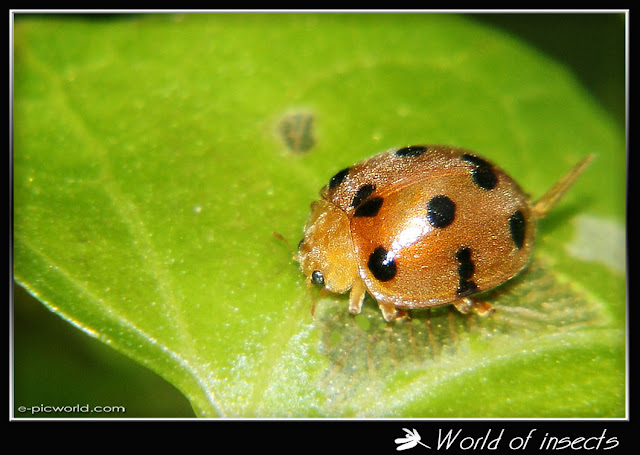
point(326, 253)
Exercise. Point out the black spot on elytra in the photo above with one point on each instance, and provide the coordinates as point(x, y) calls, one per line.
point(466, 286)
point(463, 254)
point(517, 225)
point(475, 160)
point(412, 150)
point(338, 178)
point(381, 265)
point(441, 211)
point(369, 208)
point(465, 270)
point(485, 178)
point(483, 175)
point(363, 193)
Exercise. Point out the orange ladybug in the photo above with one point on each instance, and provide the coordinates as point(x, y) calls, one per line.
point(422, 226)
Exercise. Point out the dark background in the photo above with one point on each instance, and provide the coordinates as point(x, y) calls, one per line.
point(56, 364)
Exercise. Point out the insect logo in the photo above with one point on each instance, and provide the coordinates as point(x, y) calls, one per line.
point(411, 440)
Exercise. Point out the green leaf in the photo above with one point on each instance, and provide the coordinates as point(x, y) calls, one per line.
point(154, 156)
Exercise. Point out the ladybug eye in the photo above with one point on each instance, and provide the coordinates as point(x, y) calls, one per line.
point(317, 277)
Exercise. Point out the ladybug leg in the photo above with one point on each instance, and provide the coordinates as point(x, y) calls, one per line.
point(356, 297)
point(471, 304)
point(388, 311)
point(546, 202)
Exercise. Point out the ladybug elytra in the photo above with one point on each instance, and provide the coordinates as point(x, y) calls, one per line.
point(422, 226)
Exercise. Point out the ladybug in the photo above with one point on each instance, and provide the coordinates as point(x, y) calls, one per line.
point(420, 227)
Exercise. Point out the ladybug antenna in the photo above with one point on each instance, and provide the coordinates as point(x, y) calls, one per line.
point(321, 293)
point(279, 236)
point(551, 198)
point(313, 299)
point(294, 255)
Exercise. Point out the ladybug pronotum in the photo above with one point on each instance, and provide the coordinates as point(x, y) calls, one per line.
point(422, 226)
